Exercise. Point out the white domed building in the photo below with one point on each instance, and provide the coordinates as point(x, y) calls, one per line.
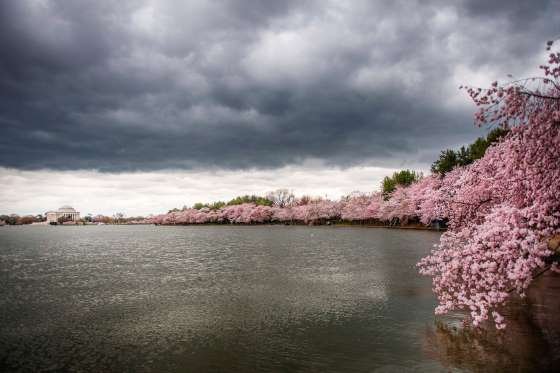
point(66, 213)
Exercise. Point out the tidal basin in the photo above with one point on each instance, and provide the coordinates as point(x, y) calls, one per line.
point(238, 299)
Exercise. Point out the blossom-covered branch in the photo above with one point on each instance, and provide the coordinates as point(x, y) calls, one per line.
point(497, 237)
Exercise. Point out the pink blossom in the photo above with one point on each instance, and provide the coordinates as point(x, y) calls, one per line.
point(502, 208)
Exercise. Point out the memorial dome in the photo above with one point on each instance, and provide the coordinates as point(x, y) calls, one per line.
point(66, 209)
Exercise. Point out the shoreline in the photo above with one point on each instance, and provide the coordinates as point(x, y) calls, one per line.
point(333, 225)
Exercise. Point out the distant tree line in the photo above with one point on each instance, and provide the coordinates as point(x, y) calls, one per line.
point(118, 218)
point(277, 198)
point(14, 219)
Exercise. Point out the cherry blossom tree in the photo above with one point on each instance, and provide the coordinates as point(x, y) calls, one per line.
point(503, 207)
point(355, 207)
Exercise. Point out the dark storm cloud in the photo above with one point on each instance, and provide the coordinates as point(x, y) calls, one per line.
point(133, 85)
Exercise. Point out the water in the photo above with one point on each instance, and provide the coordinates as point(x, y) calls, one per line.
point(240, 299)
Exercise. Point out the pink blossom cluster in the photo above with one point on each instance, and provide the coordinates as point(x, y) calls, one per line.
point(403, 206)
point(248, 213)
point(502, 208)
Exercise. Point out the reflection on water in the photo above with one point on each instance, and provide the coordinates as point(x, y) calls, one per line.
point(531, 342)
point(321, 299)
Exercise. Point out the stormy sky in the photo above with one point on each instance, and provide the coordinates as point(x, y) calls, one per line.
point(140, 87)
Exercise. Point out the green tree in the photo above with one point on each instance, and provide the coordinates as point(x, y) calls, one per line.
point(477, 149)
point(403, 178)
point(449, 159)
point(257, 200)
point(217, 205)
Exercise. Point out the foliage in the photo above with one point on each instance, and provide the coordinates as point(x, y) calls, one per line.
point(212, 206)
point(14, 219)
point(9, 219)
point(449, 159)
point(257, 200)
point(251, 199)
point(400, 178)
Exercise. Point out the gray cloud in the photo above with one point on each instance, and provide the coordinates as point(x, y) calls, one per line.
point(147, 85)
point(143, 193)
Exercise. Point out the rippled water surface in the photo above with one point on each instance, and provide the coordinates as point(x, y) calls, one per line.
point(235, 299)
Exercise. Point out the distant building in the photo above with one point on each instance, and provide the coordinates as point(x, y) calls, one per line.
point(65, 212)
